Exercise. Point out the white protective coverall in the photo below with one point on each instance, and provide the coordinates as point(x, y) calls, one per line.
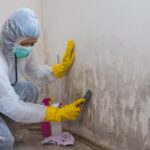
point(21, 25)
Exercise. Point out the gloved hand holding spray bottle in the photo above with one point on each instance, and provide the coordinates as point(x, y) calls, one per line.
point(50, 128)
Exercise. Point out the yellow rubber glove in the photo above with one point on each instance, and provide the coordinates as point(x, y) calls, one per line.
point(61, 69)
point(68, 112)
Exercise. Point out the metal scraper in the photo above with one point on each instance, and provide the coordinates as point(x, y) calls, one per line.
point(88, 95)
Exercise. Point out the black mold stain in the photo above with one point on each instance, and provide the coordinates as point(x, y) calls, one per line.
point(125, 136)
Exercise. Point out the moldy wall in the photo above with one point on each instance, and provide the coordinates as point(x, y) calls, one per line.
point(113, 60)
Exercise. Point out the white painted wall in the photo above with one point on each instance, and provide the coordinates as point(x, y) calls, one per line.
point(8, 6)
point(113, 59)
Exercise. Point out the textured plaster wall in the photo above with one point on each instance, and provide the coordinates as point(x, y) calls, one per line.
point(113, 59)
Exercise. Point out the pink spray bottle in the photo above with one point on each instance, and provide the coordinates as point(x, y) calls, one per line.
point(46, 126)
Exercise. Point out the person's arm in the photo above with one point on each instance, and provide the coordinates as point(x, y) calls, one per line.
point(41, 74)
point(46, 74)
point(16, 109)
point(25, 112)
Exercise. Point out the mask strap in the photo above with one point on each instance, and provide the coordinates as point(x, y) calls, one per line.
point(16, 72)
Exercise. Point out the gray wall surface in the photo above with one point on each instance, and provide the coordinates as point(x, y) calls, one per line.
point(113, 60)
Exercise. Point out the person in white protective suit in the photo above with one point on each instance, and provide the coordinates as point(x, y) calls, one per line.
point(17, 58)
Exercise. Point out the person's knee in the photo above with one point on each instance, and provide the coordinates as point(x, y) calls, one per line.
point(7, 142)
point(33, 93)
point(27, 91)
point(10, 140)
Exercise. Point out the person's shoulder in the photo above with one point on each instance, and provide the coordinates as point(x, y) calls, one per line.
point(3, 62)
